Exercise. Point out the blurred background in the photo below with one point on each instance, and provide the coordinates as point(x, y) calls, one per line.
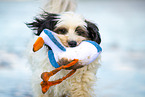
point(122, 28)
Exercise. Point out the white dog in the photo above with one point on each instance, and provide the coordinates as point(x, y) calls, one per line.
point(71, 29)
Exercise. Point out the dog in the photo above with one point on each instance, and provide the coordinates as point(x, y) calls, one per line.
point(71, 29)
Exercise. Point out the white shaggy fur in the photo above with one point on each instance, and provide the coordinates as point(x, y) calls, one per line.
point(70, 19)
point(59, 6)
point(81, 84)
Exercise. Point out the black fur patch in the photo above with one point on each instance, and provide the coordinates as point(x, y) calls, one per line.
point(46, 20)
point(93, 32)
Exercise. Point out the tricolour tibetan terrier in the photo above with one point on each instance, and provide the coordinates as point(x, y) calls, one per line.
point(71, 29)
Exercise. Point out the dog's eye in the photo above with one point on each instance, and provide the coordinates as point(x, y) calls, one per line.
point(81, 33)
point(61, 31)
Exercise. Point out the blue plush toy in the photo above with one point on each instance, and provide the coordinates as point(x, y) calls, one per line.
point(86, 52)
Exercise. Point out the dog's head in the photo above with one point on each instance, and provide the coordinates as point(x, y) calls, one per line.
point(71, 28)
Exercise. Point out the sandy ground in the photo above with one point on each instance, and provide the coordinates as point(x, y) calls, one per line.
point(122, 28)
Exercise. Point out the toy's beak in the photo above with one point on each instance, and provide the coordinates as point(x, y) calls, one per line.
point(38, 44)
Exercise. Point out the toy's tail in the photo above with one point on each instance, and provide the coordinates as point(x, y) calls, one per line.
point(59, 6)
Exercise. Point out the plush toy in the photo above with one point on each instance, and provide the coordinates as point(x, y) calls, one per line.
point(85, 53)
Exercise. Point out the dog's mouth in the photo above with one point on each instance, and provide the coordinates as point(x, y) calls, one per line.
point(65, 61)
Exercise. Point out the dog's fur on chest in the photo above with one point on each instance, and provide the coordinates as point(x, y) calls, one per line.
point(71, 29)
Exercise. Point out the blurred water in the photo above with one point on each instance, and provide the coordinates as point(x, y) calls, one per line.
point(122, 27)
point(14, 72)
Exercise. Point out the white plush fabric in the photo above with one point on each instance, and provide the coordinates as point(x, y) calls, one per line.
point(85, 52)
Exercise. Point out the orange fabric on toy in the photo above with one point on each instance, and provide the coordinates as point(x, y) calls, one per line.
point(38, 44)
point(45, 84)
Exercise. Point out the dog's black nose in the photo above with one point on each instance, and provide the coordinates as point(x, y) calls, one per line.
point(72, 43)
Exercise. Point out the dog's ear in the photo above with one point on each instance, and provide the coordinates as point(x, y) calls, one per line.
point(45, 21)
point(93, 32)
